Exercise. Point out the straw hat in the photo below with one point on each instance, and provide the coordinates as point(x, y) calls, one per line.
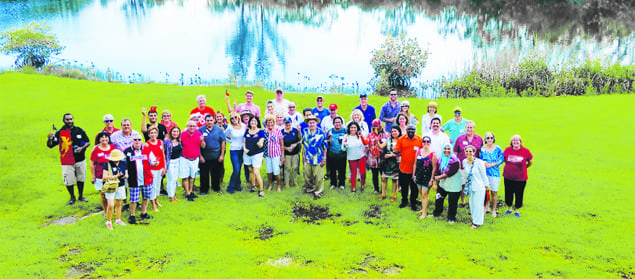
point(116, 155)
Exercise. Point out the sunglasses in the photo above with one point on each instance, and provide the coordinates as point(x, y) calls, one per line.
point(136, 139)
point(457, 112)
point(427, 141)
point(489, 137)
point(108, 121)
point(291, 107)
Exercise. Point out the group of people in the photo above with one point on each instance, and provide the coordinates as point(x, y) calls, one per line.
point(317, 140)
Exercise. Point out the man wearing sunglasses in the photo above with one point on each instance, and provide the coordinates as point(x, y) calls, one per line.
point(280, 104)
point(389, 111)
point(456, 125)
point(72, 141)
point(108, 125)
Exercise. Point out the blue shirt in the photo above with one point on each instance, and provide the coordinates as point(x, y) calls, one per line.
point(455, 129)
point(314, 145)
point(495, 156)
point(369, 114)
point(251, 142)
point(335, 146)
point(213, 140)
point(388, 111)
point(320, 114)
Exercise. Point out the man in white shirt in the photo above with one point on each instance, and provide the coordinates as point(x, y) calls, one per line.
point(280, 104)
point(437, 137)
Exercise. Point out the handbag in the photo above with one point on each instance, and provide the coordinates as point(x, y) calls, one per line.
point(112, 183)
point(468, 183)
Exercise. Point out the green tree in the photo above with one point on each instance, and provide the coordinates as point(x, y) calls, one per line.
point(33, 44)
point(398, 60)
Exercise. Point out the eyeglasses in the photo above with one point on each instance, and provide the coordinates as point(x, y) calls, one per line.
point(136, 139)
point(489, 137)
point(108, 121)
point(291, 107)
point(469, 151)
point(427, 141)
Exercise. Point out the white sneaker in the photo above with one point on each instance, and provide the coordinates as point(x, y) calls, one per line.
point(109, 225)
point(120, 223)
point(342, 187)
point(450, 222)
point(332, 186)
point(494, 214)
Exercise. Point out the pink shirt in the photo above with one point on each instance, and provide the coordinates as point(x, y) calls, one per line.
point(191, 144)
point(253, 108)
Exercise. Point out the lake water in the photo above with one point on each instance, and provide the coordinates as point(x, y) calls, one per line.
point(324, 48)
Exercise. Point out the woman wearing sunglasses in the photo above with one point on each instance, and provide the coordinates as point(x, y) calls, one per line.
point(235, 133)
point(492, 155)
point(425, 165)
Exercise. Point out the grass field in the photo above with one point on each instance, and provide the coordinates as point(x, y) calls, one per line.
point(577, 221)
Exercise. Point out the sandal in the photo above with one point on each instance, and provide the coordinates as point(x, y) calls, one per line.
point(393, 198)
point(261, 194)
point(353, 190)
point(474, 227)
point(382, 198)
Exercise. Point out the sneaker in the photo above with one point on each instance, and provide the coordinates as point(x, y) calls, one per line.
point(494, 214)
point(376, 192)
point(414, 208)
point(70, 202)
point(146, 216)
point(203, 194)
point(119, 222)
point(163, 193)
point(332, 186)
point(342, 187)
point(326, 177)
point(132, 220)
point(192, 195)
point(190, 199)
point(461, 205)
point(403, 205)
point(517, 214)
point(109, 225)
point(82, 199)
point(450, 221)
point(508, 212)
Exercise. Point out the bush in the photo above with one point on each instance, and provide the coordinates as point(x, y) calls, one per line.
point(533, 77)
point(398, 60)
point(32, 43)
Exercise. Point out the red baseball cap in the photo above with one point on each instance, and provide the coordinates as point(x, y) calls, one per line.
point(332, 106)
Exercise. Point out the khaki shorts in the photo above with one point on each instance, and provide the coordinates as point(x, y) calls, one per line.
point(74, 173)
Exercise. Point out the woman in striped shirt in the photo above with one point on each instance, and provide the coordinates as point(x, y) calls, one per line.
point(274, 144)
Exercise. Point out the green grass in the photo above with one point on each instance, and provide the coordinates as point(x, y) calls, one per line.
point(577, 222)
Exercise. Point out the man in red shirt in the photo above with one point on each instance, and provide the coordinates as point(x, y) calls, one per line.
point(200, 111)
point(408, 146)
point(192, 141)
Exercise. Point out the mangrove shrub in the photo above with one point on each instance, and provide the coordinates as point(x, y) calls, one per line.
point(395, 62)
point(33, 44)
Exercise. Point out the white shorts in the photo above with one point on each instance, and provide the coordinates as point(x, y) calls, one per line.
point(120, 194)
point(494, 182)
point(273, 165)
point(254, 161)
point(98, 184)
point(188, 168)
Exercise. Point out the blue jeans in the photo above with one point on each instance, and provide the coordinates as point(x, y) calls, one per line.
point(237, 161)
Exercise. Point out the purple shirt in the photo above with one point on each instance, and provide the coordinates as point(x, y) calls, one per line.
point(462, 142)
point(121, 141)
point(253, 108)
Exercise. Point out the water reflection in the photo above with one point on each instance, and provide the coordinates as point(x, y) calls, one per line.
point(308, 45)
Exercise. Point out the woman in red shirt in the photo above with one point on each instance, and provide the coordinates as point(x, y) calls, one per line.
point(99, 157)
point(157, 164)
point(517, 160)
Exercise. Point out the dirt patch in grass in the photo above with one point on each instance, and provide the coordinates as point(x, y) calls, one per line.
point(266, 232)
point(371, 262)
point(374, 212)
point(69, 220)
point(80, 270)
point(311, 213)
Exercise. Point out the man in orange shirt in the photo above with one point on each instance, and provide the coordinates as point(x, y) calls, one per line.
point(407, 146)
